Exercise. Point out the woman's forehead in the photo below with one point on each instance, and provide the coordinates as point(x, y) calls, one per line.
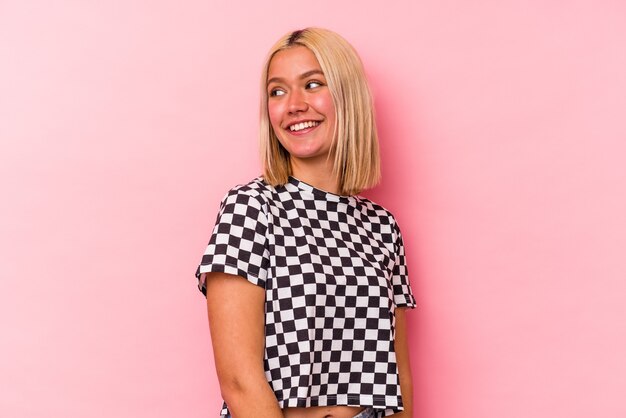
point(293, 61)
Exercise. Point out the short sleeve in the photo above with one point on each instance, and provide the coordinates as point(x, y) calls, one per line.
point(238, 244)
point(402, 293)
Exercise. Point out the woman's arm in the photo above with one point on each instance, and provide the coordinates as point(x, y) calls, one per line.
point(236, 320)
point(404, 367)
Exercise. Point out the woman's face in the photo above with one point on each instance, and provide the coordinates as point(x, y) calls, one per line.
point(300, 105)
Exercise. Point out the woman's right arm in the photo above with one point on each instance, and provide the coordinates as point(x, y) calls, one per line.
point(236, 320)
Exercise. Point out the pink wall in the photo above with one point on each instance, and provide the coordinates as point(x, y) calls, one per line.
point(122, 123)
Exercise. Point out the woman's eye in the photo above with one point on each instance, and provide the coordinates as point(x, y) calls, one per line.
point(313, 84)
point(276, 92)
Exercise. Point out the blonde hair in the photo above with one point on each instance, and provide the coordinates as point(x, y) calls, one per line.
point(355, 141)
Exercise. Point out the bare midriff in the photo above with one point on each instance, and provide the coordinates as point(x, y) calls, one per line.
point(322, 412)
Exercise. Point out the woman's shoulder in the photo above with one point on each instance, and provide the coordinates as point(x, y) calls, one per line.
point(374, 209)
point(256, 185)
point(256, 189)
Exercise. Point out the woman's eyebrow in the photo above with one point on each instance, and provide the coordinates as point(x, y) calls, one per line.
point(303, 75)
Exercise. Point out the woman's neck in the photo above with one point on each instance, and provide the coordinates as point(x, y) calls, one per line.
point(318, 174)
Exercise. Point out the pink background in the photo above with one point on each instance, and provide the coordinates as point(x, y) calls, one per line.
point(122, 124)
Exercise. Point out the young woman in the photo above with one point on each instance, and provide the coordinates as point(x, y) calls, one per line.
point(306, 282)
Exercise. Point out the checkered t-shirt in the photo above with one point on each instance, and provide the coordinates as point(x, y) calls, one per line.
point(333, 269)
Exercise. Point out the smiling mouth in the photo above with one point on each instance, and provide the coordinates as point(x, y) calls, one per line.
point(303, 125)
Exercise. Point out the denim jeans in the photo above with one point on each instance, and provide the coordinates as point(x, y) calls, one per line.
point(366, 413)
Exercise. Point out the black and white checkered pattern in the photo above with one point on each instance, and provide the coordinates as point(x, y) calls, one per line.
point(333, 269)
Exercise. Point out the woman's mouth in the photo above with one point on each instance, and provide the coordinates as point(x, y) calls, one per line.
point(302, 126)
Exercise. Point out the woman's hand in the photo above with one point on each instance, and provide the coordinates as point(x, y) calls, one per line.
point(236, 320)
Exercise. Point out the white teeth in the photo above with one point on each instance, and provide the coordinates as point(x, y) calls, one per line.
point(302, 125)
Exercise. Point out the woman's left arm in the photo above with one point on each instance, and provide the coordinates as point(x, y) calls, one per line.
point(404, 367)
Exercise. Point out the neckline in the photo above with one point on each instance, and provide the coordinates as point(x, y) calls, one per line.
point(323, 194)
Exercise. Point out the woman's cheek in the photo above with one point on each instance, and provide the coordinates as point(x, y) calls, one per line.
point(275, 116)
point(323, 103)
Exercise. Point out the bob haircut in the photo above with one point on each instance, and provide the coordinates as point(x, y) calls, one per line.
point(355, 140)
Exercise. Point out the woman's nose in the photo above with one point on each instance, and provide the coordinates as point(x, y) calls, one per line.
point(297, 102)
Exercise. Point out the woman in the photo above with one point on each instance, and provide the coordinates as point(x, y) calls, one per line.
point(305, 281)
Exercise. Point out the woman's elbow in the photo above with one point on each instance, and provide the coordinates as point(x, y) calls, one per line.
point(238, 385)
point(231, 388)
